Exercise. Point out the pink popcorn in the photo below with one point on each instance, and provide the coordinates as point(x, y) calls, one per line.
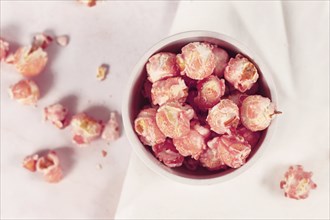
point(211, 158)
point(169, 90)
point(251, 137)
point(173, 119)
point(167, 153)
point(161, 66)
point(49, 165)
point(223, 117)
point(257, 112)
point(145, 126)
point(190, 163)
point(30, 162)
point(41, 41)
point(111, 130)
point(89, 3)
point(193, 143)
point(25, 92)
point(237, 98)
point(57, 115)
point(85, 129)
point(221, 61)
point(210, 90)
point(297, 183)
point(4, 49)
point(197, 60)
point(241, 73)
point(30, 62)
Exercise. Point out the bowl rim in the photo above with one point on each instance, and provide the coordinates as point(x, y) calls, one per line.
point(134, 75)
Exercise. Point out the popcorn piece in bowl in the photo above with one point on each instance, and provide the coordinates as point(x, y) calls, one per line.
point(193, 143)
point(30, 62)
point(169, 90)
point(237, 98)
point(297, 183)
point(49, 165)
point(85, 129)
point(168, 154)
point(111, 130)
point(251, 137)
point(221, 61)
point(162, 65)
point(41, 41)
point(145, 126)
point(210, 90)
point(241, 73)
point(223, 117)
point(57, 115)
point(173, 119)
point(197, 60)
point(4, 49)
point(257, 112)
point(211, 157)
point(191, 164)
point(25, 92)
point(30, 162)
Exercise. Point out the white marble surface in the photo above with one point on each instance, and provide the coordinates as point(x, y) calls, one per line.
point(293, 38)
point(116, 33)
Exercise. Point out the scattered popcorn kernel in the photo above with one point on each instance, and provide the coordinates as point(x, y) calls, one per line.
point(210, 90)
point(221, 61)
point(167, 153)
point(145, 126)
point(62, 40)
point(161, 66)
point(210, 158)
point(190, 163)
point(241, 73)
point(30, 162)
point(251, 137)
point(4, 49)
point(111, 130)
point(41, 41)
point(49, 165)
point(25, 92)
point(223, 117)
point(30, 62)
point(297, 183)
point(85, 129)
point(257, 112)
point(169, 90)
point(57, 115)
point(89, 3)
point(173, 119)
point(198, 60)
point(102, 72)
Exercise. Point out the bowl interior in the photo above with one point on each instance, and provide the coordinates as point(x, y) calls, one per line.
point(137, 101)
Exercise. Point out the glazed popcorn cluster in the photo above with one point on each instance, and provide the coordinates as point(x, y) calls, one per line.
point(204, 108)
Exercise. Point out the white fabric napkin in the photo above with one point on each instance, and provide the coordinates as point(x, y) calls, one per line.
point(293, 39)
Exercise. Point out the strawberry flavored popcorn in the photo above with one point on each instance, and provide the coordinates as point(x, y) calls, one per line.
point(297, 183)
point(111, 130)
point(197, 60)
point(57, 115)
point(257, 112)
point(85, 129)
point(211, 158)
point(221, 61)
point(89, 3)
point(193, 143)
point(41, 41)
point(30, 162)
point(49, 165)
point(169, 90)
point(223, 117)
point(251, 137)
point(237, 98)
point(162, 65)
point(25, 92)
point(190, 163)
point(210, 90)
point(168, 154)
point(30, 62)
point(145, 126)
point(4, 49)
point(173, 119)
point(241, 73)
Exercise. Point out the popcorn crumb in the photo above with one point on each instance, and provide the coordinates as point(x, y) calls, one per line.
point(62, 40)
point(102, 72)
point(104, 153)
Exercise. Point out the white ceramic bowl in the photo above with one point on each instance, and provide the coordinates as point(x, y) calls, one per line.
point(132, 104)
